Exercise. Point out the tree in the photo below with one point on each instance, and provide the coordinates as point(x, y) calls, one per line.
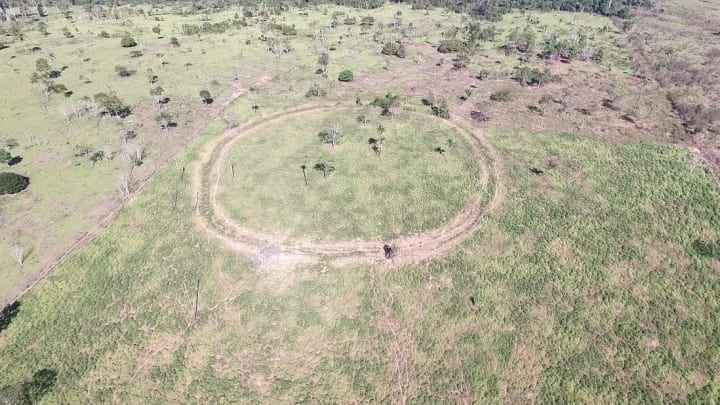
point(323, 61)
point(206, 97)
point(377, 145)
point(156, 29)
point(325, 168)
point(345, 76)
point(157, 93)
point(111, 104)
point(331, 134)
point(5, 157)
point(127, 42)
point(304, 170)
point(12, 183)
point(174, 41)
point(386, 103)
point(165, 120)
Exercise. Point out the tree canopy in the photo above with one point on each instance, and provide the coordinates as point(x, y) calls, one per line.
point(12, 183)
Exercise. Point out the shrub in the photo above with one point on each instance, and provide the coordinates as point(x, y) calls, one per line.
point(128, 42)
point(502, 95)
point(440, 108)
point(394, 48)
point(122, 71)
point(390, 48)
point(535, 76)
point(206, 97)
point(451, 45)
point(289, 30)
point(315, 91)
point(367, 21)
point(5, 157)
point(56, 88)
point(12, 183)
point(345, 76)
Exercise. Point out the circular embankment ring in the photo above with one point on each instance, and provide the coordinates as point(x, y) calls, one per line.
point(210, 216)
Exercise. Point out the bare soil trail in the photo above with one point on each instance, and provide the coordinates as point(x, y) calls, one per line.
point(212, 219)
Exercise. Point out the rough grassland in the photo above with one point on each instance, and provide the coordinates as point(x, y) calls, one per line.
point(597, 282)
point(408, 188)
point(68, 194)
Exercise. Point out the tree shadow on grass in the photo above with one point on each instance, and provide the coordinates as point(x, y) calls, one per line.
point(31, 391)
point(8, 314)
point(707, 249)
point(15, 160)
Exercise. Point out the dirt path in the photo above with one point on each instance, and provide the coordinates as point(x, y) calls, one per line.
point(211, 218)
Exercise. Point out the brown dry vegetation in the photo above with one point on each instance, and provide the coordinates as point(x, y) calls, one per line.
point(675, 43)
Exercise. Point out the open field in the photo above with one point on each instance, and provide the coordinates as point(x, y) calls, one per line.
point(569, 292)
point(582, 263)
point(363, 190)
point(56, 144)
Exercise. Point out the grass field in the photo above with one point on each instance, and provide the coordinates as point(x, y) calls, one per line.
point(594, 281)
point(69, 193)
point(407, 187)
point(587, 286)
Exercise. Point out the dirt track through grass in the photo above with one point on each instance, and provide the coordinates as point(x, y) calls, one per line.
point(409, 249)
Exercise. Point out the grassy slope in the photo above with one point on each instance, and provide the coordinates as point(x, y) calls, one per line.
point(597, 281)
point(410, 188)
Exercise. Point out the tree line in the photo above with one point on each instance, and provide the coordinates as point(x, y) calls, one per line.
point(485, 9)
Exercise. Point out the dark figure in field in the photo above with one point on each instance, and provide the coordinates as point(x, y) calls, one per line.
point(389, 252)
